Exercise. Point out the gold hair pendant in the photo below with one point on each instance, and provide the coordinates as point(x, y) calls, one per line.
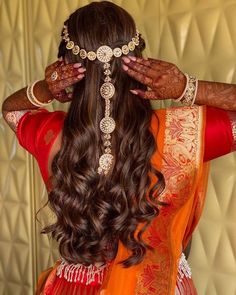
point(104, 54)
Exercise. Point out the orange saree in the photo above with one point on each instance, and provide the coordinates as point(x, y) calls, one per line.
point(179, 133)
point(180, 158)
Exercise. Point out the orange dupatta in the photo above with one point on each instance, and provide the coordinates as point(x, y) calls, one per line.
point(181, 142)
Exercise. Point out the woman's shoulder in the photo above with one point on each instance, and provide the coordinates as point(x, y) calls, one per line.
point(44, 118)
point(50, 126)
point(36, 128)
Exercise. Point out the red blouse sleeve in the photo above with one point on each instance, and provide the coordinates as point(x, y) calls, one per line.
point(220, 133)
point(36, 132)
point(27, 129)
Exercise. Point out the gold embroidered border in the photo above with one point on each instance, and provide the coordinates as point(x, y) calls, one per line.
point(181, 151)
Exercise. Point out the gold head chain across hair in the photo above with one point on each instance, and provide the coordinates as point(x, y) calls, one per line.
point(104, 54)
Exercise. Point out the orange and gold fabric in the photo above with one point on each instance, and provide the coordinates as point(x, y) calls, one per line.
point(180, 158)
point(180, 136)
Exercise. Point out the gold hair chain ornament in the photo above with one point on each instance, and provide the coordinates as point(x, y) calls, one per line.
point(104, 54)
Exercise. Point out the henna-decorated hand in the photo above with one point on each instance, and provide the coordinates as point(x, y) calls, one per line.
point(164, 79)
point(60, 77)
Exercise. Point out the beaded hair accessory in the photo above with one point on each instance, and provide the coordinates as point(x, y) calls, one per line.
point(104, 54)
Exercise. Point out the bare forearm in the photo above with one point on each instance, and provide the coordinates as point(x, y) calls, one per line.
point(19, 101)
point(219, 95)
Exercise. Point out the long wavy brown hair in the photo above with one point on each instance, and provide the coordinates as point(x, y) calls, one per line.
point(94, 212)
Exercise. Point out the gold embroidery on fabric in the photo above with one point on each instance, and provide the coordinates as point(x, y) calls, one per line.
point(13, 118)
point(181, 148)
point(181, 152)
point(49, 136)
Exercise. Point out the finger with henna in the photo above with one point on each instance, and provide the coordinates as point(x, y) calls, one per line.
point(148, 94)
point(141, 66)
point(137, 76)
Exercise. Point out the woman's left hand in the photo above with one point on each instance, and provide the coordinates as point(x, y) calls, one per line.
point(61, 77)
point(164, 79)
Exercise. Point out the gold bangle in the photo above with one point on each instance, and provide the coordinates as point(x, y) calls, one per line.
point(32, 98)
point(190, 92)
point(185, 89)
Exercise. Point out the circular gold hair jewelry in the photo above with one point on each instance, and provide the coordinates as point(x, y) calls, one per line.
point(54, 76)
point(104, 54)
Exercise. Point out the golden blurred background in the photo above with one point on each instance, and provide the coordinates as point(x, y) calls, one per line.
point(200, 37)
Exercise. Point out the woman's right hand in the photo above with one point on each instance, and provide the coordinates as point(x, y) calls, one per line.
point(60, 77)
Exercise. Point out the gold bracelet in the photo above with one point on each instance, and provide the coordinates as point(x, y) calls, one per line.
point(190, 92)
point(185, 89)
point(31, 97)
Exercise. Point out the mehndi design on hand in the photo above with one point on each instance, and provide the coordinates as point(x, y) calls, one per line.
point(59, 76)
point(164, 79)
